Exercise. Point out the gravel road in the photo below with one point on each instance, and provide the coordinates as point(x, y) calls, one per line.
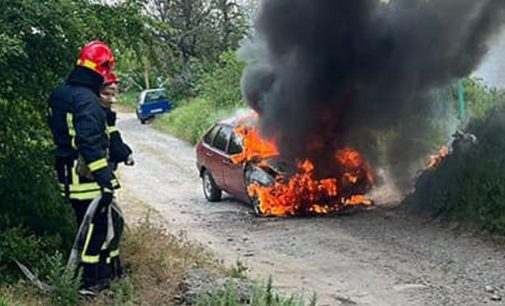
point(377, 257)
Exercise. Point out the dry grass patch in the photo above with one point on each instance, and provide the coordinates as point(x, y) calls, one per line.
point(158, 260)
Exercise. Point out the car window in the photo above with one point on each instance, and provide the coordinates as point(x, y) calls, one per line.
point(155, 96)
point(235, 146)
point(211, 135)
point(221, 139)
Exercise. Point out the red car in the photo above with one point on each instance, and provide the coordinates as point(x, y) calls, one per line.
point(219, 173)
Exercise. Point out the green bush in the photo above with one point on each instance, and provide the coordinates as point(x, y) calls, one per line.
point(32, 207)
point(18, 244)
point(480, 98)
point(469, 185)
point(221, 82)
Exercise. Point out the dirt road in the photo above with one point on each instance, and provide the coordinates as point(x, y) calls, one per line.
point(377, 257)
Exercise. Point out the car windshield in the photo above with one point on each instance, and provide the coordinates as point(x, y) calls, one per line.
point(155, 96)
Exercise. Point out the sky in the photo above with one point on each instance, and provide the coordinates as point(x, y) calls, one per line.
point(492, 69)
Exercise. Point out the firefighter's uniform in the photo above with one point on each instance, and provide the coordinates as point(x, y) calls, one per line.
point(119, 151)
point(79, 128)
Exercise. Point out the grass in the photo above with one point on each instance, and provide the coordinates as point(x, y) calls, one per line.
point(129, 99)
point(192, 119)
point(263, 295)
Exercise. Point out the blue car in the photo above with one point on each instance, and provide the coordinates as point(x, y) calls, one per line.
point(152, 102)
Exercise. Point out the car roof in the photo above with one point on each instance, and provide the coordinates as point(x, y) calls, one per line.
point(153, 90)
point(238, 119)
point(231, 122)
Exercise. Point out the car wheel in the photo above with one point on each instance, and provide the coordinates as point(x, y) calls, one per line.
point(142, 121)
point(255, 202)
point(210, 189)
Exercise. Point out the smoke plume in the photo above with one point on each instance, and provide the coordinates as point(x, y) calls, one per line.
point(326, 74)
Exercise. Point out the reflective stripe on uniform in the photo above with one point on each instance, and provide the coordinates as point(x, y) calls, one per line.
point(70, 124)
point(83, 196)
point(115, 183)
point(114, 253)
point(98, 165)
point(86, 258)
point(90, 259)
point(71, 129)
point(84, 187)
point(112, 129)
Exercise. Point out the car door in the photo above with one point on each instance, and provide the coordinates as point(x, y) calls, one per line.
point(204, 150)
point(234, 173)
point(217, 155)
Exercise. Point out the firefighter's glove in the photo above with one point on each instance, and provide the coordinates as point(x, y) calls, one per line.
point(106, 199)
point(111, 118)
point(130, 161)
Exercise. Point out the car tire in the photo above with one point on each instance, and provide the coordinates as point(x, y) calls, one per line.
point(255, 202)
point(210, 189)
point(142, 121)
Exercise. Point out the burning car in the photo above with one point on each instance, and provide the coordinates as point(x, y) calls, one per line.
point(235, 158)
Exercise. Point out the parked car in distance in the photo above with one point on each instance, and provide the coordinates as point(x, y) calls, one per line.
point(152, 102)
point(219, 173)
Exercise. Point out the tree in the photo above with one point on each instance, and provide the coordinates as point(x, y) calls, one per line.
point(188, 34)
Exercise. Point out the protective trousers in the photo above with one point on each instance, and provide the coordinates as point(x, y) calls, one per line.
point(100, 263)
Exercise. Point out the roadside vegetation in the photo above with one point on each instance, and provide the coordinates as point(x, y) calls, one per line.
point(469, 185)
point(217, 97)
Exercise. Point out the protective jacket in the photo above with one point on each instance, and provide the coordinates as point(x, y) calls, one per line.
point(119, 151)
point(79, 128)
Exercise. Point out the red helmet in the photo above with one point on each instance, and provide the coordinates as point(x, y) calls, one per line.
point(110, 78)
point(98, 57)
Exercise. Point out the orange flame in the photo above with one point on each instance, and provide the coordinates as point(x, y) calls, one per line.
point(255, 147)
point(435, 160)
point(303, 193)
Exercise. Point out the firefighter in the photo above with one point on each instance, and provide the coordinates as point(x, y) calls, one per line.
point(119, 151)
point(78, 124)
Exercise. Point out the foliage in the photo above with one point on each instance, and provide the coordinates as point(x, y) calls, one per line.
point(480, 98)
point(221, 82)
point(18, 244)
point(158, 269)
point(191, 120)
point(470, 183)
point(65, 282)
point(218, 97)
point(263, 295)
point(178, 37)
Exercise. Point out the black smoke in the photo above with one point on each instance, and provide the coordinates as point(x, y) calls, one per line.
point(326, 74)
